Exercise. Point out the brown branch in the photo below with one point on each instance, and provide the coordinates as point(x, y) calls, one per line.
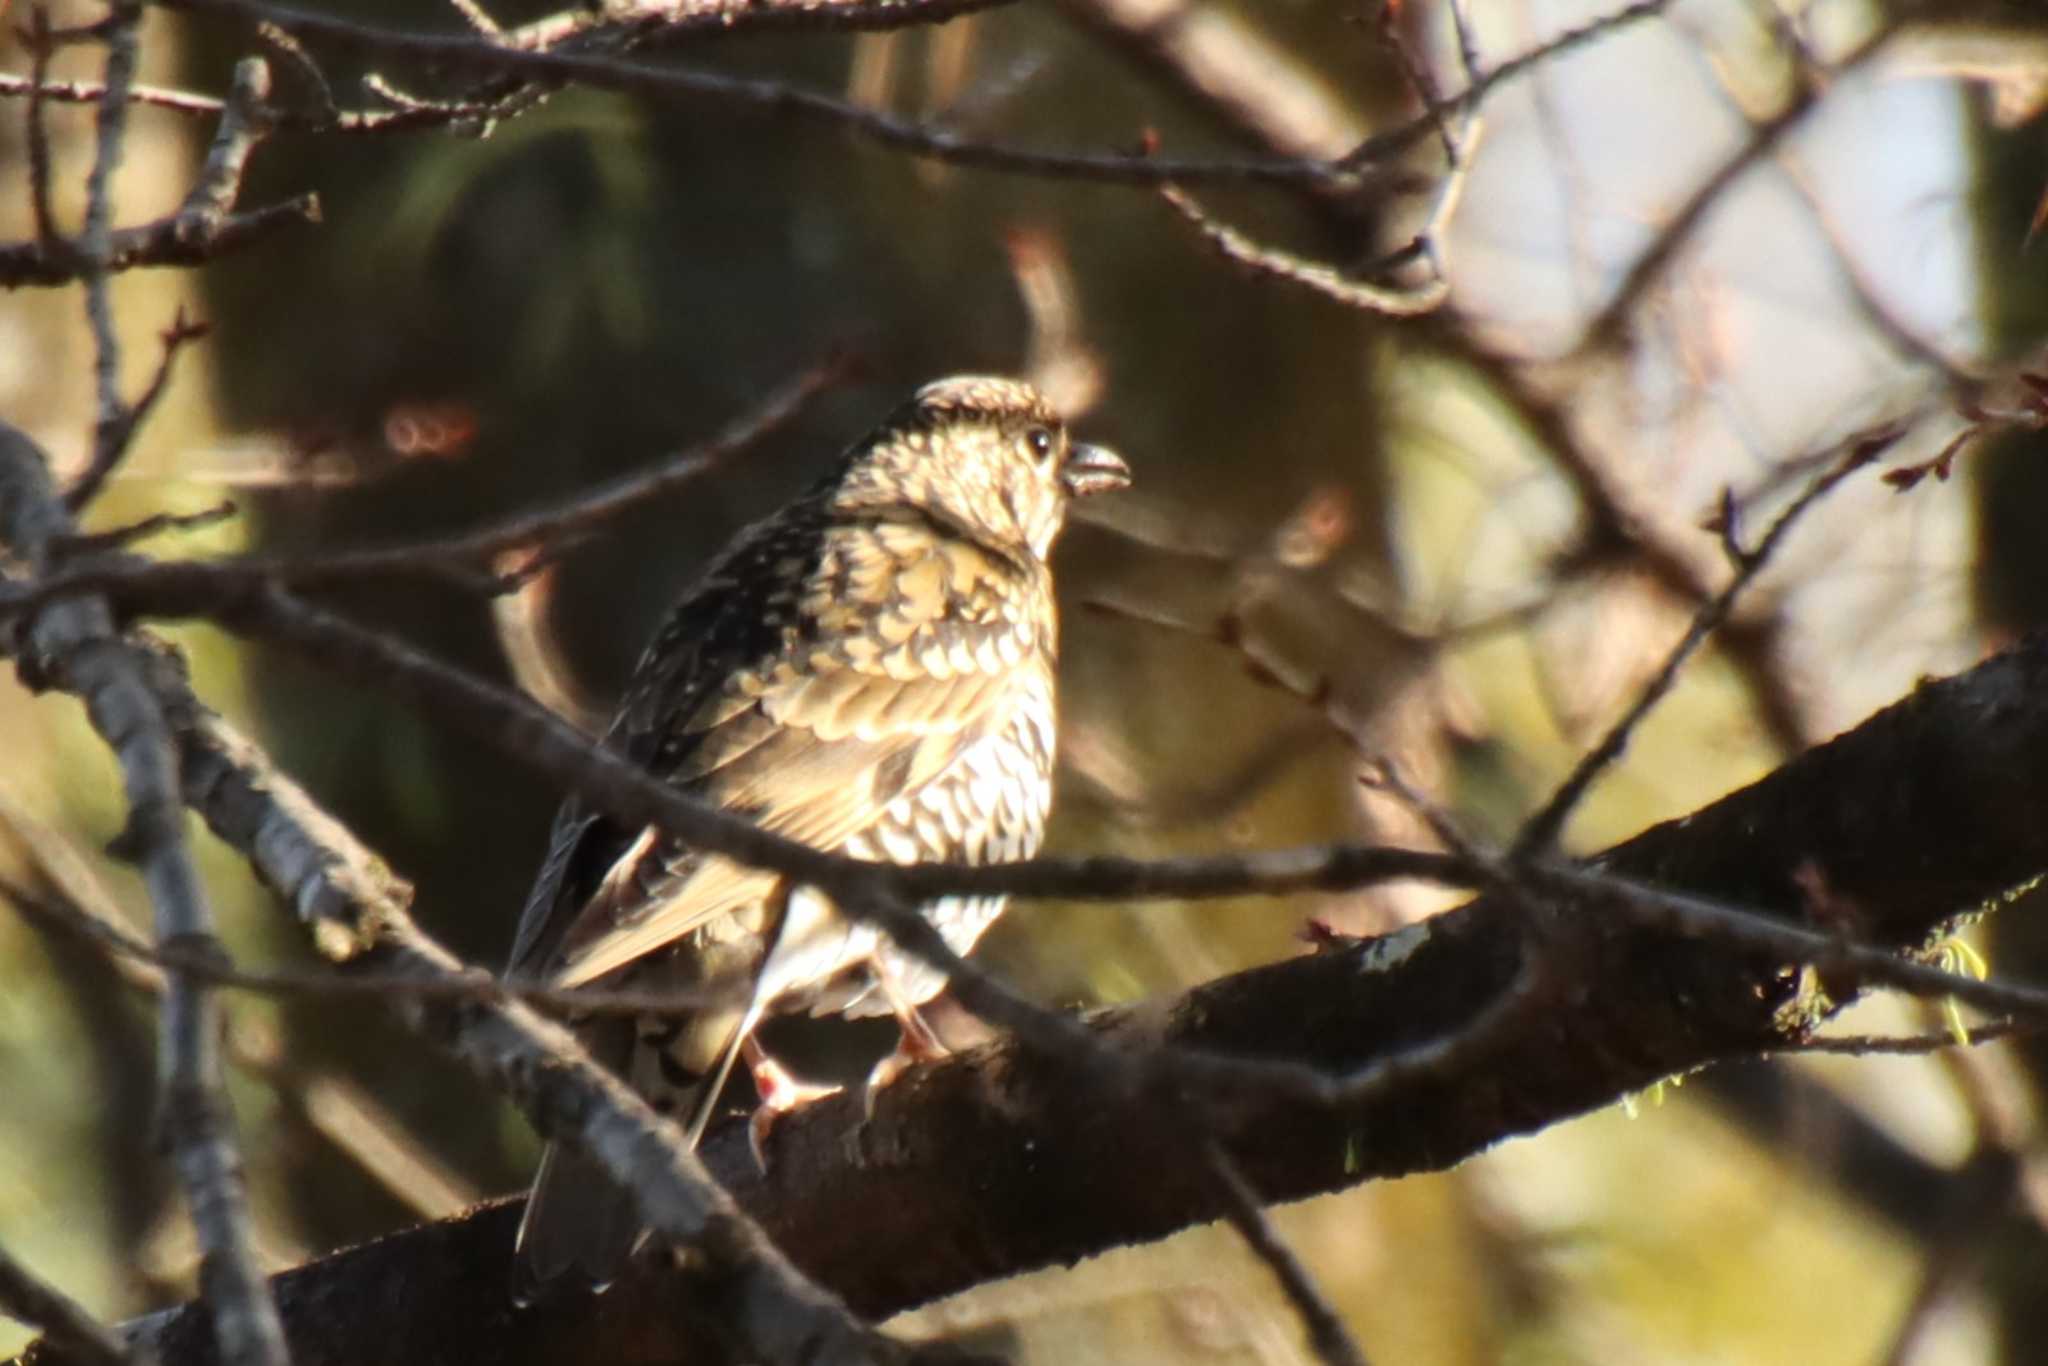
point(883, 892)
point(1625, 512)
point(94, 248)
point(1541, 830)
point(1919, 1045)
point(1764, 138)
point(164, 242)
point(1284, 266)
point(648, 24)
point(551, 523)
point(1326, 1332)
point(201, 228)
point(143, 528)
point(91, 92)
point(553, 65)
point(993, 1162)
point(39, 46)
point(1255, 85)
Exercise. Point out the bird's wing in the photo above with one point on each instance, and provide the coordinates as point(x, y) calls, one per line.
point(906, 652)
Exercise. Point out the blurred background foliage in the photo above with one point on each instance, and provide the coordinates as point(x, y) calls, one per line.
point(1348, 535)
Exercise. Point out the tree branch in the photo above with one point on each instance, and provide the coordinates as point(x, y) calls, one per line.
point(355, 913)
point(992, 1163)
point(73, 646)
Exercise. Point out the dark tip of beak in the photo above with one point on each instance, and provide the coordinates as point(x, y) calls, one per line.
point(1094, 469)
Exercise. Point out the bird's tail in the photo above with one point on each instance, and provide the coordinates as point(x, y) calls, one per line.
point(578, 1230)
point(580, 1227)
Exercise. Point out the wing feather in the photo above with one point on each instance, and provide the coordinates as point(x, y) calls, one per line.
point(814, 752)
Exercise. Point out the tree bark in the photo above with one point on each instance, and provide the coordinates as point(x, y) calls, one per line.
point(994, 1162)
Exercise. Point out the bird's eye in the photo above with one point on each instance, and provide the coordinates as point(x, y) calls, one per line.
point(1040, 439)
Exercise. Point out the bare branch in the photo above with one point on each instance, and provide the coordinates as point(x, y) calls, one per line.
point(73, 644)
point(95, 249)
point(478, 548)
point(1919, 1045)
point(27, 1298)
point(1609, 323)
point(1233, 245)
point(466, 52)
point(201, 228)
point(77, 904)
point(160, 243)
point(142, 528)
point(1231, 65)
point(1670, 994)
point(92, 92)
point(39, 46)
point(1326, 1332)
point(1542, 829)
point(354, 912)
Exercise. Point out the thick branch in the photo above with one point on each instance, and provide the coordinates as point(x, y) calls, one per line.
point(994, 1163)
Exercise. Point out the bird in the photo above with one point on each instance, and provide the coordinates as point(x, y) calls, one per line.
point(868, 670)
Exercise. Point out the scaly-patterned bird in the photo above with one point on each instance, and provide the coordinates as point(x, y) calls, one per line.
point(869, 670)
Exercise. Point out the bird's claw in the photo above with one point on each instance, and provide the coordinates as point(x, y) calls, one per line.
point(780, 1092)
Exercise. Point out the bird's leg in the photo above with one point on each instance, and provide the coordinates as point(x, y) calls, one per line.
point(915, 1041)
point(775, 919)
point(780, 1092)
point(707, 1099)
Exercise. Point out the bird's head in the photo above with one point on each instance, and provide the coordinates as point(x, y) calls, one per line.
point(989, 455)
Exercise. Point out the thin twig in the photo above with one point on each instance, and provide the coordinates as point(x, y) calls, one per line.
point(1327, 1335)
point(1276, 264)
point(1234, 67)
point(520, 613)
point(1868, 294)
point(27, 1298)
point(39, 45)
point(1541, 830)
point(1623, 509)
point(1607, 325)
point(1865, 964)
point(163, 242)
point(295, 56)
point(156, 524)
point(1384, 146)
point(466, 52)
point(199, 218)
point(549, 524)
point(180, 334)
point(92, 92)
point(509, 60)
point(1920, 1045)
point(202, 227)
point(471, 984)
point(478, 18)
point(363, 1130)
point(96, 250)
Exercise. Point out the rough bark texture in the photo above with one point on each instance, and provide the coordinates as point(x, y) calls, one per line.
point(996, 1162)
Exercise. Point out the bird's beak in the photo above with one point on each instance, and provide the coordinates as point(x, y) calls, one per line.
point(1094, 469)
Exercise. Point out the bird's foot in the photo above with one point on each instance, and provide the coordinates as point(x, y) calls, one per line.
point(780, 1092)
point(914, 1047)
